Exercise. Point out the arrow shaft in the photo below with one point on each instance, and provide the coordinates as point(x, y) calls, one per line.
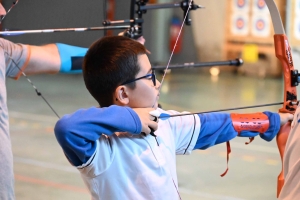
point(237, 62)
point(19, 32)
point(221, 110)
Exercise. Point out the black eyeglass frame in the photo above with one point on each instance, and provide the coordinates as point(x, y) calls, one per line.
point(153, 78)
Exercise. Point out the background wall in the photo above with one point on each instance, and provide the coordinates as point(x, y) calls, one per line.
point(43, 14)
point(209, 28)
point(36, 14)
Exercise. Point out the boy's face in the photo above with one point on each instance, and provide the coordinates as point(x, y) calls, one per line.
point(145, 94)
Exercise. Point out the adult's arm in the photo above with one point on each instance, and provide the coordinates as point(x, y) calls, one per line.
point(43, 59)
point(54, 58)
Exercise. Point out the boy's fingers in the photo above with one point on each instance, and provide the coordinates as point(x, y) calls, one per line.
point(153, 125)
point(146, 131)
point(285, 117)
point(289, 116)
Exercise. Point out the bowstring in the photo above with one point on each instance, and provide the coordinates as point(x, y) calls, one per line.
point(173, 50)
point(181, 27)
point(12, 6)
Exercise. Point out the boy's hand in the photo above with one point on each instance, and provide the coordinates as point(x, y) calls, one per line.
point(147, 120)
point(285, 117)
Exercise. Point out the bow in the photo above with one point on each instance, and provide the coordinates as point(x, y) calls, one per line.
point(283, 53)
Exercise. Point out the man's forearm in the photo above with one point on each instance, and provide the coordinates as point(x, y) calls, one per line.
point(43, 59)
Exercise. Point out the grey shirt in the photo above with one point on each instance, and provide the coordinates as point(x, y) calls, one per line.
point(19, 54)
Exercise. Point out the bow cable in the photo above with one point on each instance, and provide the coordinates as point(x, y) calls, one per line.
point(181, 27)
point(12, 6)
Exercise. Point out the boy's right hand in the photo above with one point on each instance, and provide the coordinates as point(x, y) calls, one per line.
point(147, 120)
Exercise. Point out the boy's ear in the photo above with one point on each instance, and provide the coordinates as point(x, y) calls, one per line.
point(121, 97)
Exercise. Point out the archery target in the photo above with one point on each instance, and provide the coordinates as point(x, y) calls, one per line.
point(240, 5)
point(260, 26)
point(259, 6)
point(297, 28)
point(239, 24)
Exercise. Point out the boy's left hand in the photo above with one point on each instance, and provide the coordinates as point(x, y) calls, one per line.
point(285, 117)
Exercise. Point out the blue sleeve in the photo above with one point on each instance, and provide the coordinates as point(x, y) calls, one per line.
point(77, 133)
point(71, 58)
point(217, 128)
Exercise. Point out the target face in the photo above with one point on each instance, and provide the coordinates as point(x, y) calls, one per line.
point(239, 25)
point(260, 26)
point(241, 5)
point(259, 6)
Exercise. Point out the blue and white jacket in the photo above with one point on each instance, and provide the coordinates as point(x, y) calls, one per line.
point(117, 162)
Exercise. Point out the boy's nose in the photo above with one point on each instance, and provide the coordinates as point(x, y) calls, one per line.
point(2, 10)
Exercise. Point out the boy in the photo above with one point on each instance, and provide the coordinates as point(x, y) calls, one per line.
point(116, 161)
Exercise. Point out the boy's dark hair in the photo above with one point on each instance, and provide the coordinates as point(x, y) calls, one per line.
point(108, 63)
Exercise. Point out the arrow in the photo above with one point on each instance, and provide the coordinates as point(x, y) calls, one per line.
point(165, 116)
point(21, 32)
point(237, 62)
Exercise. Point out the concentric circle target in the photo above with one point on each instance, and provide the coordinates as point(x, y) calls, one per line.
point(260, 26)
point(240, 5)
point(239, 25)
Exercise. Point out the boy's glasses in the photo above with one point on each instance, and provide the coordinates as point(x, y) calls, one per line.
point(152, 76)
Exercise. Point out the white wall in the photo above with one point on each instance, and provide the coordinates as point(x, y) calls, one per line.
point(209, 28)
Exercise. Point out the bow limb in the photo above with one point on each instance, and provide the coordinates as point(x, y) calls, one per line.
point(283, 53)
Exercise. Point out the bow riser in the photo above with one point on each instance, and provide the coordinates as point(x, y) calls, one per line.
point(283, 53)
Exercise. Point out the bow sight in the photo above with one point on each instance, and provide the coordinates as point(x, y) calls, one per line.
point(140, 7)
